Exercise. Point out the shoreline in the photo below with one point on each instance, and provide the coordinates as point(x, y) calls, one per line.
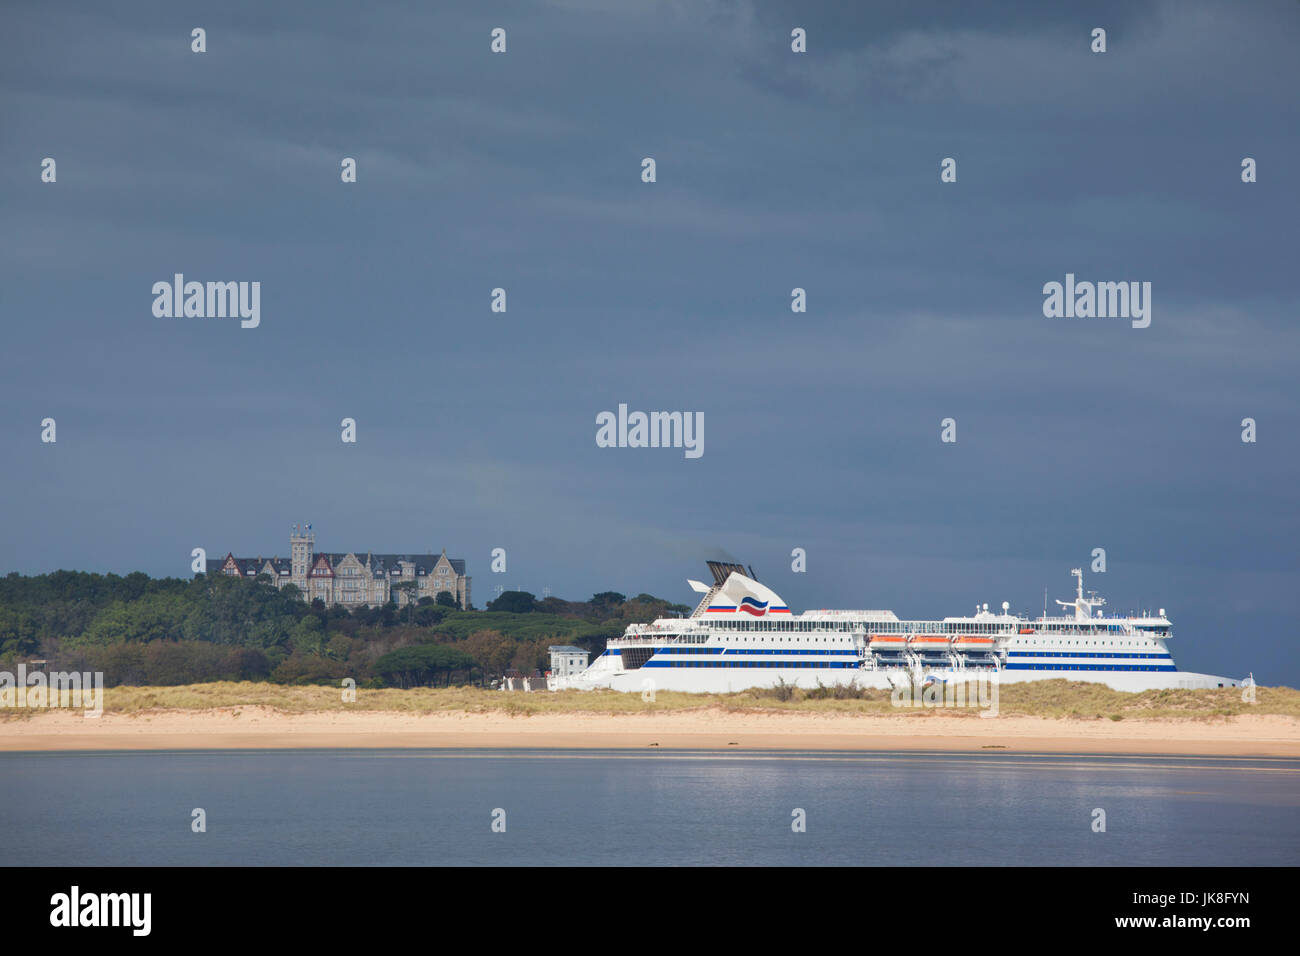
point(259, 727)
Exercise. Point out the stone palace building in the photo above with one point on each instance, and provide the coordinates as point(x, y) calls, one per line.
point(355, 578)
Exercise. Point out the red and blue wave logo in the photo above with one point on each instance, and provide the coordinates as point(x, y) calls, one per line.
point(750, 606)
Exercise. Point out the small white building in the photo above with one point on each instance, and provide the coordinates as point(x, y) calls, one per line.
point(567, 660)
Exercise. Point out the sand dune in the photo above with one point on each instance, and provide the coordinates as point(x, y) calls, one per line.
point(261, 727)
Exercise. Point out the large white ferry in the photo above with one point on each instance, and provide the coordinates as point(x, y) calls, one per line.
point(743, 635)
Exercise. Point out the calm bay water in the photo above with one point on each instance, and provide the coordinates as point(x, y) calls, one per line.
point(340, 807)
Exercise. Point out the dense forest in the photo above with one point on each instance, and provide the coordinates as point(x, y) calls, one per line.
point(142, 630)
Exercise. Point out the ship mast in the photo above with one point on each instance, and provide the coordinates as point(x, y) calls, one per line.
point(1082, 605)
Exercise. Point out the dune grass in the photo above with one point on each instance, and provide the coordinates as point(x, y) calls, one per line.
point(1052, 699)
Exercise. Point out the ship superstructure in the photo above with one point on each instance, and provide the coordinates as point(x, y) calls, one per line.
point(742, 634)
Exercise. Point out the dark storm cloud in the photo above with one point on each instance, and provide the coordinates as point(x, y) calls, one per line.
point(775, 171)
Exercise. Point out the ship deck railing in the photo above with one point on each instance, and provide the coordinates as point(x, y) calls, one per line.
point(665, 635)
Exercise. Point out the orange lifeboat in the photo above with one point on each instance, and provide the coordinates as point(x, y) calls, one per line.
point(929, 642)
point(972, 642)
point(887, 642)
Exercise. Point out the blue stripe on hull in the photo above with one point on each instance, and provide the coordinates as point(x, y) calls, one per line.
point(841, 665)
point(1089, 667)
point(819, 665)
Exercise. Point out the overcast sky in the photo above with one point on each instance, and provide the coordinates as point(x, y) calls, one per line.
point(775, 170)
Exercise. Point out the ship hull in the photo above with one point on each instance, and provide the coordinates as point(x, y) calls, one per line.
point(735, 679)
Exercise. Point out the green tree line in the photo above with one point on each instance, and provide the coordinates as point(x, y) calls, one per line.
point(163, 631)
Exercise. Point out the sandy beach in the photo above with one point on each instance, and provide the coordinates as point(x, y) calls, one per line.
point(705, 729)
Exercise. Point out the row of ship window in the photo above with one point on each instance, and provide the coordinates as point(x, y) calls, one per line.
point(1083, 654)
point(926, 627)
point(771, 625)
point(935, 627)
point(929, 627)
point(1116, 643)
